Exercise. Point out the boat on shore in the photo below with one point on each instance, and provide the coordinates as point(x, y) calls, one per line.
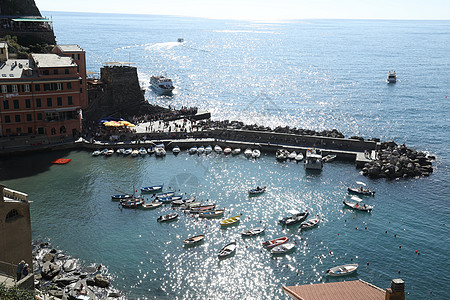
point(193, 240)
point(162, 85)
point(227, 250)
point(152, 189)
point(310, 223)
point(168, 217)
point(358, 206)
point(253, 231)
point(342, 270)
point(276, 242)
point(283, 249)
point(313, 160)
point(392, 77)
point(295, 217)
point(257, 191)
point(230, 221)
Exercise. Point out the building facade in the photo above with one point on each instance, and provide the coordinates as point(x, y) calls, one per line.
point(44, 94)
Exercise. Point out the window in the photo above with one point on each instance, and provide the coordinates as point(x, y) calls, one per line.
point(8, 130)
point(26, 88)
point(19, 130)
point(62, 129)
point(17, 118)
point(29, 117)
point(69, 85)
point(27, 103)
point(37, 87)
point(12, 215)
point(39, 116)
point(81, 90)
point(46, 72)
point(40, 130)
point(53, 131)
point(38, 102)
point(46, 87)
point(55, 71)
point(14, 88)
point(4, 89)
point(7, 119)
point(69, 100)
point(66, 71)
point(59, 101)
point(5, 104)
point(16, 104)
point(30, 129)
point(49, 102)
point(59, 86)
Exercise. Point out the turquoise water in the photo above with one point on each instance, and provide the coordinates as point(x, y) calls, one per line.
point(311, 74)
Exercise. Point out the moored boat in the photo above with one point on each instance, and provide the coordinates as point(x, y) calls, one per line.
point(227, 250)
point(165, 194)
point(96, 153)
point(309, 223)
point(342, 270)
point(183, 201)
point(283, 249)
point(159, 151)
point(313, 160)
point(248, 152)
point(127, 151)
point(256, 153)
point(133, 203)
point(292, 155)
point(152, 205)
point(208, 149)
point(257, 191)
point(227, 150)
point(361, 191)
point(121, 197)
point(281, 154)
point(168, 217)
point(329, 158)
point(253, 231)
point(194, 240)
point(193, 150)
point(294, 218)
point(135, 152)
point(202, 208)
point(212, 213)
point(275, 242)
point(176, 150)
point(109, 152)
point(200, 150)
point(142, 151)
point(236, 151)
point(217, 149)
point(358, 206)
point(299, 157)
point(152, 189)
point(230, 221)
point(169, 199)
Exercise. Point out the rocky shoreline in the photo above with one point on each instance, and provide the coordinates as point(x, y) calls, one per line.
point(64, 277)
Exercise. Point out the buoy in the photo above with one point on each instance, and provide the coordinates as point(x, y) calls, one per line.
point(356, 228)
point(385, 231)
point(398, 271)
point(351, 259)
point(395, 235)
point(400, 246)
point(345, 220)
point(416, 251)
point(367, 263)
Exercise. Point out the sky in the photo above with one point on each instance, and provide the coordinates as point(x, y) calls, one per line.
point(270, 10)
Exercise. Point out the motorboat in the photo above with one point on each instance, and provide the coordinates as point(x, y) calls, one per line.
point(212, 213)
point(257, 191)
point(299, 157)
point(142, 151)
point(159, 151)
point(176, 150)
point(329, 158)
point(227, 250)
point(193, 150)
point(230, 221)
point(275, 242)
point(152, 189)
point(342, 270)
point(180, 40)
point(248, 152)
point(313, 160)
point(200, 150)
point(309, 223)
point(358, 206)
point(128, 151)
point(292, 155)
point(96, 153)
point(227, 150)
point(152, 205)
point(135, 152)
point(194, 240)
point(392, 77)
point(361, 191)
point(294, 218)
point(103, 152)
point(283, 249)
point(162, 85)
point(236, 151)
point(168, 217)
point(217, 149)
point(253, 231)
point(281, 154)
point(208, 149)
point(256, 153)
point(121, 197)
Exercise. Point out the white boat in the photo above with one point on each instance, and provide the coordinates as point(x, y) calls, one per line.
point(193, 150)
point(217, 149)
point(313, 160)
point(309, 223)
point(159, 151)
point(200, 150)
point(151, 205)
point(236, 151)
point(342, 270)
point(103, 152)
point(299, 157)
point(253, 231)
point(212, 213)
point(128, 151)
point(227, 250)
point(292, 155)
point(282, 154)
point(194, 240)
point(227, 150)
point(119, 151)
point(135, 152)
point(176, 150)
point(282, 249)
point(358, 206)
point(96, 153)
point(208, 149)
point(329, 158)
point(109, 152)
point(168, 217)
point(151, 150)
point(162, 85)
point(248, 152)
point(256, 153)
point(392, 77)
point(142, 151)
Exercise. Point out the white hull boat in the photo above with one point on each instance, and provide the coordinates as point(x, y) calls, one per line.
point(236, 151)
point(248, 152)
point(256, 153)
point(162, 85)
point(176, 150)
point(342, 270)
point(282, 249)
point(217, 149)
point(292, 155)
point(208, 149)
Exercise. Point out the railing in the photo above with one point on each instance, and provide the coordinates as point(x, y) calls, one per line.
point(8, 269)
point(15, 195)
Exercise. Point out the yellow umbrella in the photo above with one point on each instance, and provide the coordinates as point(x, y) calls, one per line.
point(108, 123)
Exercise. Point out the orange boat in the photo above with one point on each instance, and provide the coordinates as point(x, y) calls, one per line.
point(61, 161)
point(275, 242)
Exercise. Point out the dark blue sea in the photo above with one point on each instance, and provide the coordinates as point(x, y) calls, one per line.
point(312, 74)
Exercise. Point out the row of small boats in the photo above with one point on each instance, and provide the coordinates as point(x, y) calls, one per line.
point(158, 151)
point(255, 153)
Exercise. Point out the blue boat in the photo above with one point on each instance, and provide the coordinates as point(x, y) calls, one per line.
point(169, 199)
point(152, 189)
point(121, 197)
point(166, 194)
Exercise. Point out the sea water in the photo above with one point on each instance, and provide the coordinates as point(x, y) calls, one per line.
point(315, 74)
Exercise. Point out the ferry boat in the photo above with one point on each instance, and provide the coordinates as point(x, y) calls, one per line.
point(313, 160)
point(392, 77)
point(162, 85)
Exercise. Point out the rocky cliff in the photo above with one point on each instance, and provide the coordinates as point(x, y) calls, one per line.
point(19, 8)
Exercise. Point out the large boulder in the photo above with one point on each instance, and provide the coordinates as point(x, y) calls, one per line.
point(101, 281)
point(50, 270)
point(49, 257)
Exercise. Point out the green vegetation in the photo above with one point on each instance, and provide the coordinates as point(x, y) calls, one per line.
point(22, 52)
point(14, 293)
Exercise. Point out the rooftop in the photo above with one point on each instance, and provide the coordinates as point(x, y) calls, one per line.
point(70, 48)
point(347, 290)
point(10, 195)
point(52, 61)
point(13, 68)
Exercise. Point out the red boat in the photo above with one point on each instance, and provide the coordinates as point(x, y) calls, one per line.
point(275, 242)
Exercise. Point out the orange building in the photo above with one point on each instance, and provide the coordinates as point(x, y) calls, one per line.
point(44, 94)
